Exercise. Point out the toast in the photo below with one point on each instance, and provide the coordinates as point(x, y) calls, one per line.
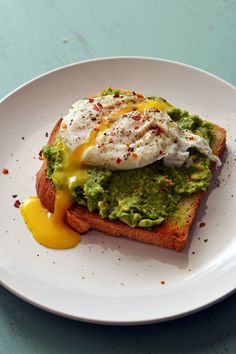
point(172, 233)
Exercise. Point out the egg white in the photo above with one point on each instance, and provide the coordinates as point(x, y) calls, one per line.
point(131, 140)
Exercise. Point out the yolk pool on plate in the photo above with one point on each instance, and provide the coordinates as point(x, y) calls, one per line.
point(49, 229)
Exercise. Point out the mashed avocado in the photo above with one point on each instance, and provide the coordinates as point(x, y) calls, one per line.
point(142, 197)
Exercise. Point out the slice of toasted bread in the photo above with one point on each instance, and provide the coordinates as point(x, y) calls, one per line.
point(172, 234)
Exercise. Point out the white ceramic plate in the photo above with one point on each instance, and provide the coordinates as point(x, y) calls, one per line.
point(104, 279)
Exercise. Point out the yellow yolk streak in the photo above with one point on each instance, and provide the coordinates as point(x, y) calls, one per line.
point(50, 229)
point(78, 153)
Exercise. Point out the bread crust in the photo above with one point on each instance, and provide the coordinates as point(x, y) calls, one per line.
point(168, 235)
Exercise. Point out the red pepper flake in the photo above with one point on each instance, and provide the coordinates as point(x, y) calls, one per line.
point(169, 182)
point(137, 117)
point(162, 282)
point(110, 140)
point(96, 129)
point(161, 152)
point(158, 130)
point(202, 224)
point(139, 95)
point(99, 121)
point(128, 153)
point(190, 138)
point(5, 171)
point(91, 100)
point(14, 195)
point(136, 127)
point(118, 160)
point(99, 105)
point(102, 146)
point(135, 156)
point(95, 107)
point(17, 203)
point(116, 95)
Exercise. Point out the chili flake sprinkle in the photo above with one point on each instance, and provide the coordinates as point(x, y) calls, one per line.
point(95, 107)
point(169, 182)
point(102, 147)
point(156, 129)
point(137, 117)
point(91, 100)
point(17, 203)
point(135, 156)
point(5, 171)
point(118, 160)
point(139, 95)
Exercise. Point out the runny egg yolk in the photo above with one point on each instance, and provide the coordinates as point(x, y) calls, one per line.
point(48, 228)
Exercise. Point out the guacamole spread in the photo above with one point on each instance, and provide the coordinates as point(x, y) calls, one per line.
point(141, 197)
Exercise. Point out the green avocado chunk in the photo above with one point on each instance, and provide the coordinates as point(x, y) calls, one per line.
point(143, 197)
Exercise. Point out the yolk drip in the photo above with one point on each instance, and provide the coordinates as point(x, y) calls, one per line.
point(77, 155)
point(49, 229)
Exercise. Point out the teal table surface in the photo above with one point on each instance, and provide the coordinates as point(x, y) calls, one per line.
point(37, 36)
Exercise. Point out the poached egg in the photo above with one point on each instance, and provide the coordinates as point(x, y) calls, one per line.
point(127, 132)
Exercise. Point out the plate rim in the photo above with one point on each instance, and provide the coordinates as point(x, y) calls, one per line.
point(92, 320)
point(59, 68)
point(115, 322)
